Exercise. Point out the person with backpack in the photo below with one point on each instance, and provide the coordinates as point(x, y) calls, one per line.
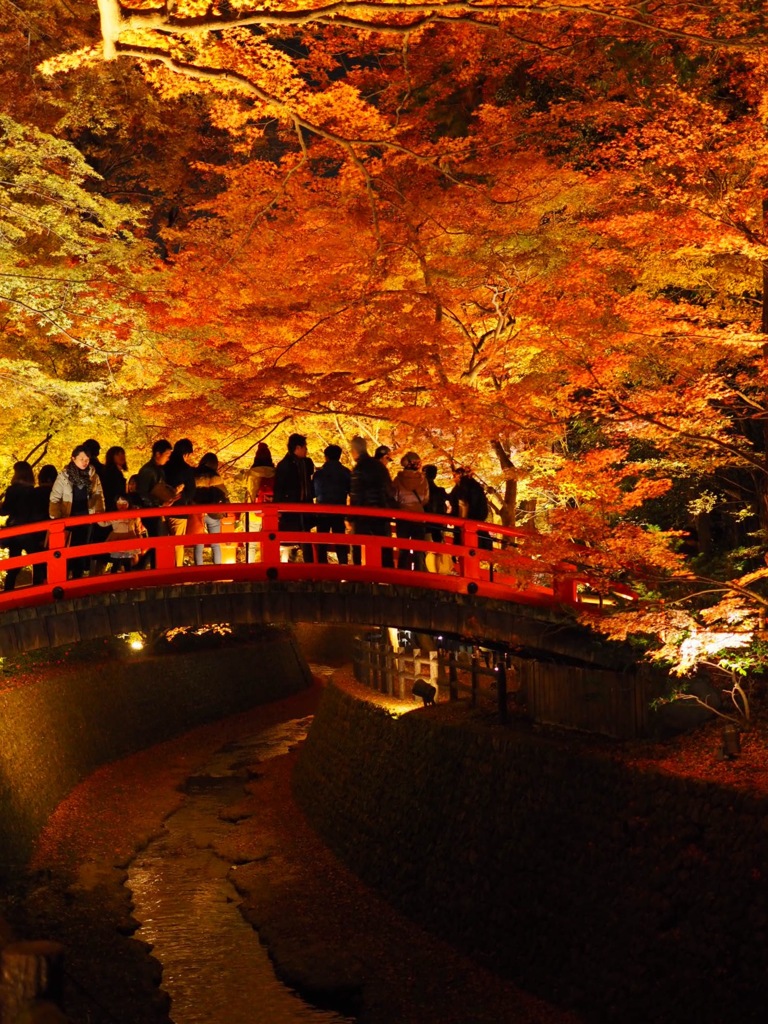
point(468, 501)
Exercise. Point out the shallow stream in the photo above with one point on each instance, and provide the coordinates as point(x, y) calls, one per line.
point(214, 968)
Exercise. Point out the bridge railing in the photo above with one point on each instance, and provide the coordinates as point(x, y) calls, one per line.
point(259, 541)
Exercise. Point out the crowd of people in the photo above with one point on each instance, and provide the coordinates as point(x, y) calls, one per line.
point(172, 478)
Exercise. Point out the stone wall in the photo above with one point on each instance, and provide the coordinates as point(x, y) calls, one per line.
point(631, 897)
point(60, 717)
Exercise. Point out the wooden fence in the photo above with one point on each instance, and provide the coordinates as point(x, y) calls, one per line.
point(572, 697)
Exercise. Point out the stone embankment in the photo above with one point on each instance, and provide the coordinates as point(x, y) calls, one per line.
point(629, 896)
point(62, 717)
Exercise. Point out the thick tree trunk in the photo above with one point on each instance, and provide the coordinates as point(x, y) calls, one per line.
point(761, 479)
point(509, 502)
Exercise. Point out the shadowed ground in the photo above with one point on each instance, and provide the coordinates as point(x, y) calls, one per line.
point(327, 932)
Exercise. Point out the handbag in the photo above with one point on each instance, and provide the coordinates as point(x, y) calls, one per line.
point(162, 493)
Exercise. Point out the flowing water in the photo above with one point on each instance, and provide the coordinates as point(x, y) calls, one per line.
point(214, 968)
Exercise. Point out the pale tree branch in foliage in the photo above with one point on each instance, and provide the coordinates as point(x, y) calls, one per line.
point(44, 229)
point(689, 435)
point(309, 330)
point(214, 76)
point(40, 444)
point(369, 189)
point(258, 441)
point(54, 279)
point(48, 317)
point(383, 17)
point(738, 696)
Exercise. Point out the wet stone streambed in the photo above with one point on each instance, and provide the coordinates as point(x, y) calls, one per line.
point(214, 968)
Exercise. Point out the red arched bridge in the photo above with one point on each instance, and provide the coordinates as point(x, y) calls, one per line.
point(465, 577)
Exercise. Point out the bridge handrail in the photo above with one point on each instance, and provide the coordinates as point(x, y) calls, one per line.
point(502, 559)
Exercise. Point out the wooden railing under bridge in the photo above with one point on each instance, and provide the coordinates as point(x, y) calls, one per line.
point(579, 697)
point(465, 556)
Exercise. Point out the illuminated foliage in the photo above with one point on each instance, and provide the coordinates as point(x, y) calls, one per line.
point(524, 236)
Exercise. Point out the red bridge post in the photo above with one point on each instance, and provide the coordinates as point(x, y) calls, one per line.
point(57, 544)
point(270, 538)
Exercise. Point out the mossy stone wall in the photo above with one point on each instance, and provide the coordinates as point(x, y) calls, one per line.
point(631, 897)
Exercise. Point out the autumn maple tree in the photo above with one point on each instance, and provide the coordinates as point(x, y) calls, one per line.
point(528, 237)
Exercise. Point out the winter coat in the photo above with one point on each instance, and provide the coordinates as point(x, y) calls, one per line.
point(260, 484)
point(18, 505)
point(468, 500)
point(332, 483)
point(178, 471)
point(149, 476)
point(61, 495)
point(411, 490)
point(371, 484)
point(438, 499)
point(114, 486)
point(293, 479)
point(204, 480)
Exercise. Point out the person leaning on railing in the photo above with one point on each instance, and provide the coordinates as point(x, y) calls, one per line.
point(259, 490)
point(411, 494)
point(124, 559)
point(41, 500)
point(209, 490)
point(439, 505)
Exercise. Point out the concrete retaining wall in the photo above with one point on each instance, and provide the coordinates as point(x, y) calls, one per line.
point(61, 718)
point(632, 897)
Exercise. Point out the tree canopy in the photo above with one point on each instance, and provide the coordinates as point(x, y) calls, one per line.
point(529, 237)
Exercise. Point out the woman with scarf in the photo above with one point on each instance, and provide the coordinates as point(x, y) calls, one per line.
point(77, 492)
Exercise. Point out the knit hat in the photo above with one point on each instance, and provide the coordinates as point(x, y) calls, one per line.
point(358, 445)
point(263, 456)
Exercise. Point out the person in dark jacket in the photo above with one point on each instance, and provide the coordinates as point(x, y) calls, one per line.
point(468, 501)
point(93, 448)
point(41, 500)
point(97, 532)
point(154, 491)
point(437, 504)
point(293, 483)
point(180, 473)
point(332, 482)
point(113, 477)
point(18, 506)
point(371, 487)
